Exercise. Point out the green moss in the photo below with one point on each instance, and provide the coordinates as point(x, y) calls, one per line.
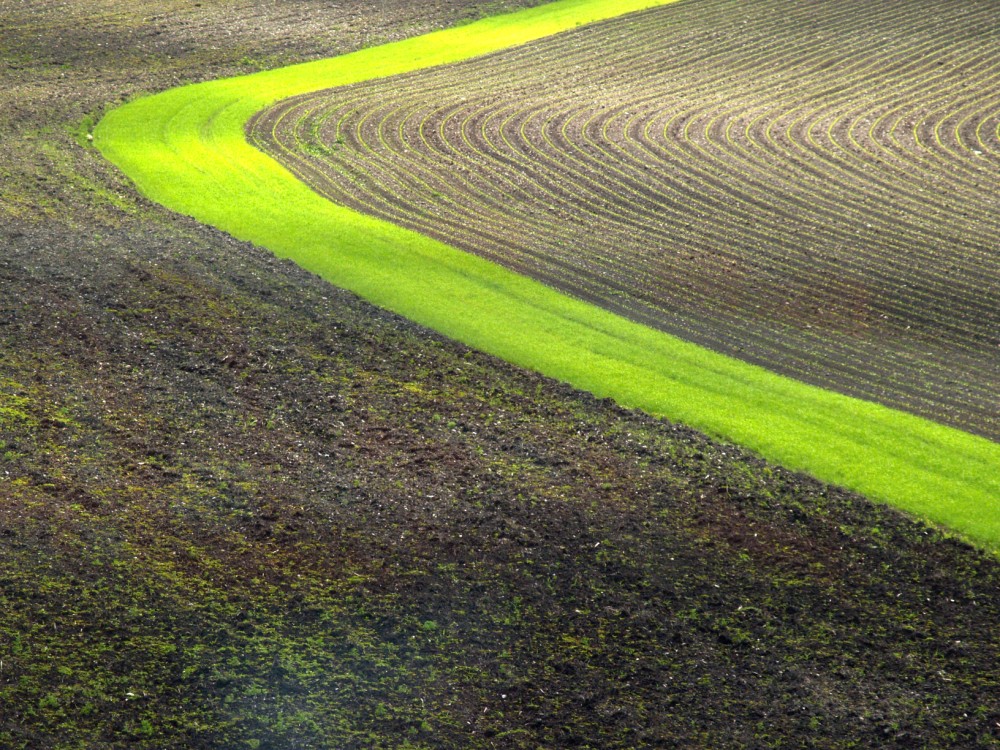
point(83, 131)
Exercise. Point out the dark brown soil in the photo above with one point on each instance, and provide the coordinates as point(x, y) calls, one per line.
point(770, 179)
point(242, 509)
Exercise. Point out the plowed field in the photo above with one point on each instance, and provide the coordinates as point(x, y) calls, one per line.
point(811, 187)
point(240, 508)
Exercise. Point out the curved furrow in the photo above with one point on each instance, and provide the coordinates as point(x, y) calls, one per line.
point(792, 144)
point(814, 206)
point(809, 187)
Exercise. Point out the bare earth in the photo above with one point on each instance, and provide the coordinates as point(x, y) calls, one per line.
point(242, 509)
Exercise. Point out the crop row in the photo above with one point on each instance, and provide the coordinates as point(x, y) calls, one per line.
point(811, 187)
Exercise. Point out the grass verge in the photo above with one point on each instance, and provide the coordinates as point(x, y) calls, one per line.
point(185, 148)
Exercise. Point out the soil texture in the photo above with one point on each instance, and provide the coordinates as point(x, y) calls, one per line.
point(811, 188)
point(242, 509)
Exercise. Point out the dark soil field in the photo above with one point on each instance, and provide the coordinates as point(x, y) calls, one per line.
point(242, 509)
point(809, 187)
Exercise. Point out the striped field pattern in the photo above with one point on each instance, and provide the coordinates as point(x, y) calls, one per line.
point(589, 162)
point(808, 186)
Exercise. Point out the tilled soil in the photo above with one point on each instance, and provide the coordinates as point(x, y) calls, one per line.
point(242, 509)
point(808, 188)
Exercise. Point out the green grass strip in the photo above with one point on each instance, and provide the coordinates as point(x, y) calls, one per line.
point(185, 149)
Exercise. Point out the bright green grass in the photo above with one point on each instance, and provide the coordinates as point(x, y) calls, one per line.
point(185, 148)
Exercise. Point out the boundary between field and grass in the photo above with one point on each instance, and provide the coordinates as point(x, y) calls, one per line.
point(185, 148)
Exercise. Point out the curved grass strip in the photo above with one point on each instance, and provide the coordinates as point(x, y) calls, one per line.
point(601, 161)
point(649, 211)
point(185, 148)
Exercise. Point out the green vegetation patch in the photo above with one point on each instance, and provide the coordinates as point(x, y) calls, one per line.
point(13, 410)
point(186, 149)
